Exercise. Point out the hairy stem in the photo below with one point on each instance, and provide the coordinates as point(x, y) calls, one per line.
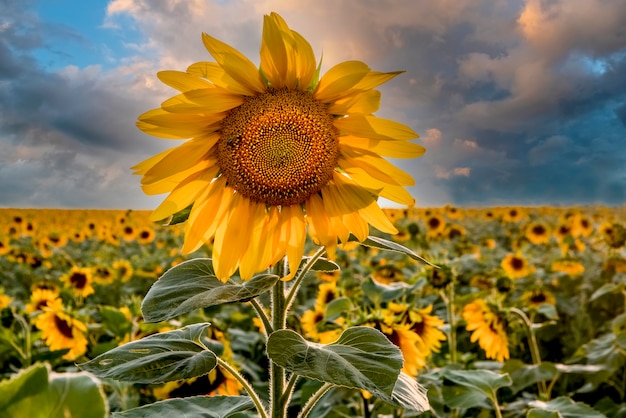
point(246, 385)
point(314, 399)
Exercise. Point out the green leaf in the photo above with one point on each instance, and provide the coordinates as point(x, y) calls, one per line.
point(193, 406)
point(565, 407)
point(383, 244)
point(380, 292)
point(158, 358)
point(549, 311)
point(192, 285)
point(409, 394)
point(362, 358)
point(606, 289)
point(321, 264)
point(542, 413)
point(180, 216)
point(471, 387)
point(337, 307)
point(114, 321)
point(26, 383)
point(36, 393)
point(524, 375)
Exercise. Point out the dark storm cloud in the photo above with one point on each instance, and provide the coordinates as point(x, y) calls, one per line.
point(67, 136)
point(517, 102)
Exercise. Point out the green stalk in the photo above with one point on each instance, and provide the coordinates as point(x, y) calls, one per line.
point(308, 407)
point(448, 299)
point(261, 314)
point(278, 404)
point(297, 281)
point(246, 385)
point(534, 350)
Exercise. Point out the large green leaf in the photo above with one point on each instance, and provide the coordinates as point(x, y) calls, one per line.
point(158, 358)
point(362, 358)
point(524, 375)
point(565, 407)
point(470, 388)
point(192, 285)
point(383, 244)
point(321, 264)
point(37, 393)
point(194, 406)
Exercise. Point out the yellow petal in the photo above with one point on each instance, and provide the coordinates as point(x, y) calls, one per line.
point(357, 199)
point(392, 192)
point(216, 75)
point(274, 61)
point(164, 124)
point(305, 61)
point(205, 214)
point(297, 238)
point(252, 260)
point(335, 214)
point(231, 238)
point(368, 126)
point(374, 79)
point(182, 81)
point(167, 184)
point(235, 64)
point(378, 167)
point(147, 164)
point(318, 218)
point(366, 102)
point(209, 100)
point(339, 79)
point(184, 194)
point(385, 147)
point(182, 157)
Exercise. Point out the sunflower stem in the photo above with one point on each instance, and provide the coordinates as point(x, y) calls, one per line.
point(297, 281)
point(278, 404)
point(448, 299)
point(314, 399)
point(246, 385)
point(262, 316)
point(534, 350)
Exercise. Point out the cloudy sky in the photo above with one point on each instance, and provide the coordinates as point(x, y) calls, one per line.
point(517, 102)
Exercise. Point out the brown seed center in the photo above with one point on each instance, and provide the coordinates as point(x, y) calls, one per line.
point(278, 148)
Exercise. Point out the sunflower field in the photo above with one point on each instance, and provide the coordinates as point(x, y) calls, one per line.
point(513, 312)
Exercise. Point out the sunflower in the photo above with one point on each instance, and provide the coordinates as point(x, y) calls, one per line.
point(488, 328)
point(512, 215)
point(274, 150)
point(145, 235)
point(311, 321)
point(435, 224)
point(61, 331)
point(614, 234)
point(581, 225)
point(40, 298)
point(515, 266)
point(5, 300)
point(123, 270)
point(428, 327)
point(569, 266)
point(327, 293)
point(537, 297)
point(5, 245)
point(79, 279)
point(537, 233)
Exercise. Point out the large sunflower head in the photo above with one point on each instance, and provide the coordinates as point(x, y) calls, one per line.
point(62, 331)
point(274, 150)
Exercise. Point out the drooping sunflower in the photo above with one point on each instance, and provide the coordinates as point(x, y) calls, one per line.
point(274, 150)
point(60, 330)
point(79, 280)
point(488, 327)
